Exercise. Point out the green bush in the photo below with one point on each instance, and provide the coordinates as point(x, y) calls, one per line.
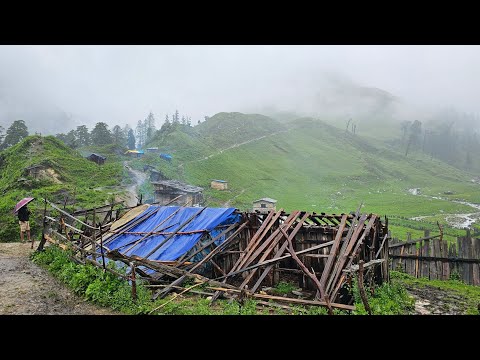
point(388, 299)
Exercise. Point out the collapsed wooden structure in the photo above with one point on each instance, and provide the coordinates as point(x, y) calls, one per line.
point(245, 256)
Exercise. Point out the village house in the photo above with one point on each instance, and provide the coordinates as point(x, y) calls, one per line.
point(152, 150)
point(219, 184)
point(167, 190)
point(99, 159)
point(264, 205)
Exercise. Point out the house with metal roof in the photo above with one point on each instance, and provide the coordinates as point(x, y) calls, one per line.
point(99, 159)
point(174, 192)
point(219, 184)
point(264, 205)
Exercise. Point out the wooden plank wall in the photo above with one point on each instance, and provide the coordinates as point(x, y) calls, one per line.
point(437, 259)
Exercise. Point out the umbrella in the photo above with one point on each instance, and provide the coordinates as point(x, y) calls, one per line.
point(22, 203)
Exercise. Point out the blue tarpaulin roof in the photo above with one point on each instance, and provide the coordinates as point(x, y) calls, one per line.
point(166, 156)
point(160, 220)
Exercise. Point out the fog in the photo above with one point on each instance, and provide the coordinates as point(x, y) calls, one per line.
point(56, 88)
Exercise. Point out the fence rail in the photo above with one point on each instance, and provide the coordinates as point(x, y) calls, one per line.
point(436, 259)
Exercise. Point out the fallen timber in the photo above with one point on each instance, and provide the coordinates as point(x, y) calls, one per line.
point(316, 252)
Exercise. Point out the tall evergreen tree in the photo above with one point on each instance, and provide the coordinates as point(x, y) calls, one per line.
point(2, 135)
point(82, 136)
point(150, 127)
point(15, 133)
point(415, 134)
point(71, 139)
point(101, 135)
point(166, 126)
point(176, 118)
point(140, 133)
point(61, 137)
point(131, 139)
point(119, 137)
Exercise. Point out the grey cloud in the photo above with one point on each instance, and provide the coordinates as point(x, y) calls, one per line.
point(120, 84)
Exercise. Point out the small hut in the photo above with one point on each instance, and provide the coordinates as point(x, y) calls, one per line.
point(219, 184)
point(99, 159)
point(165, 191)
point(264, 205)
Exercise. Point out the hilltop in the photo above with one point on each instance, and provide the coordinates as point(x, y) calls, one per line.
point(309, 164)
point(45, 167)
point(304, 163)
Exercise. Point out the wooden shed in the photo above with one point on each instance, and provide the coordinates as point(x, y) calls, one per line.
point(99, 159)
point(264, 205)
point(219, 184)
point(167, 190)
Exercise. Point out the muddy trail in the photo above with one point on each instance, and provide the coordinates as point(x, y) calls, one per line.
point(430, 300)
point(27, 289)
point(138, 179)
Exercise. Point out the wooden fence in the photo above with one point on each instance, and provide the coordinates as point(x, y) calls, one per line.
point(434, 258)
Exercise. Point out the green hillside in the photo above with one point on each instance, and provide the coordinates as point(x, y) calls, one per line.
point(64, 173)
point(310, 165)
point(304, 164)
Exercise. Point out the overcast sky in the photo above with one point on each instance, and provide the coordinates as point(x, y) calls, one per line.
point(121, 84)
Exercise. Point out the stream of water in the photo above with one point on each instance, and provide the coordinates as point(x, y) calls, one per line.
point(459, 221)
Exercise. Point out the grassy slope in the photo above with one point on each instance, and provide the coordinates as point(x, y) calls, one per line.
point(310, 165)
point(304, 163)
point(77, 175)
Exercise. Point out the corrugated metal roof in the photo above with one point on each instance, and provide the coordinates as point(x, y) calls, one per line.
point(220, 181)
point(178, 185)
point(97, 155)
point(270, 200)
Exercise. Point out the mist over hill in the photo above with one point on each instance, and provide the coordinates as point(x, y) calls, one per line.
point(39, 115)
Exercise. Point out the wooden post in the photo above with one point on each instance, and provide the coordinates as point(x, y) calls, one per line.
point(94, 235)
point(101, 248)
point(43, 240)
point(363, 295)
point(134, 282)
point(426, 263)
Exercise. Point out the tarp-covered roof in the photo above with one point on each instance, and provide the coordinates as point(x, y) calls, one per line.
point(164, 220)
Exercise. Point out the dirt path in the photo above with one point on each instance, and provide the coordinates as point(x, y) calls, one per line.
point(139, 178)
point(433, 301)
point(27, 289)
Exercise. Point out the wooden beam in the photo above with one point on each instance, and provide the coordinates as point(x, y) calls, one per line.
point(279, 252)
point(165, 291)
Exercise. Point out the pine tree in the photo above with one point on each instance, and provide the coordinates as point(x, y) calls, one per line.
point(131, 140)
point(119, 137)
point(101, 135)
point(150, 127)
point(2, 135)
point(141, 133)
point(176, 118)
point(71, 139)
point(82, 136)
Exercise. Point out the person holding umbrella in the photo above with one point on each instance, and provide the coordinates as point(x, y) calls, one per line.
point(23, 218)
